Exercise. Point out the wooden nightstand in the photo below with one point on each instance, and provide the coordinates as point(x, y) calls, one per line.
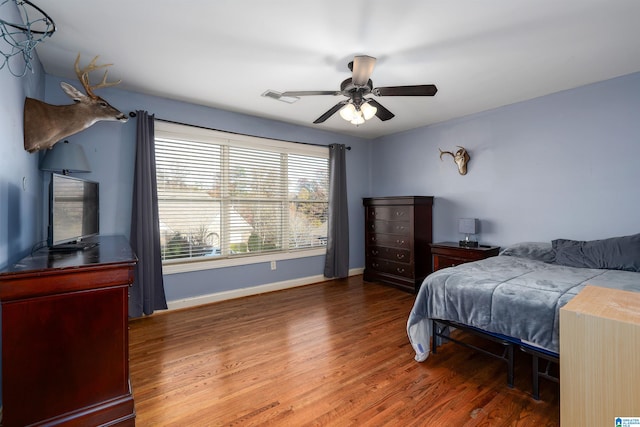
point(449, 254)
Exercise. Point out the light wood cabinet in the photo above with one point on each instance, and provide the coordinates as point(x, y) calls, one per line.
point(599, 357)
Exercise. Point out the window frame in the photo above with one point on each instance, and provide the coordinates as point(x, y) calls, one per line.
point(177, 131)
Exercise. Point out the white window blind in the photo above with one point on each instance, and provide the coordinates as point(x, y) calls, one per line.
point(224, 195)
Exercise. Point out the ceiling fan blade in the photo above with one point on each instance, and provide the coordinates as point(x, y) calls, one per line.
point(331, 112)
point(382, 113)
point(362, 69)
point(417, 90)
point(310, 92)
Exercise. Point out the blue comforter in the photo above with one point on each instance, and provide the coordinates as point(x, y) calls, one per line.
point(508, 295)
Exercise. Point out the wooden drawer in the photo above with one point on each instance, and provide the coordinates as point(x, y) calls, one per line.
point(440, 261)
point(389, 240)
point(450, 254)
point(390, 213)
point(391, 254)
point(391, 227)
point(390, 267)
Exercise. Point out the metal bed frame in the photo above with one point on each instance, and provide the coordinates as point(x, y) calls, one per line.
point(440, 330)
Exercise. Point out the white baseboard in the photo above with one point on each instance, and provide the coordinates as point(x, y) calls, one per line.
point(254, 290)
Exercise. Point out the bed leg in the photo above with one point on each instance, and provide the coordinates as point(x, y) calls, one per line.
point(536, 356)
point(434, 345)
point(510, 365)
point(536, 386)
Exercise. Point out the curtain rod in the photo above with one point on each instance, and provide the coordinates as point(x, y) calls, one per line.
point(133, 114)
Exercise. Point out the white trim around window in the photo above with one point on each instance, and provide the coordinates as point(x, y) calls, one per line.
point(218, 189)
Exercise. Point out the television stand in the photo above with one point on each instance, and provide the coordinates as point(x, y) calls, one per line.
point(65, 337)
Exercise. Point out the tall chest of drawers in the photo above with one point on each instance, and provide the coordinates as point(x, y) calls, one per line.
point(398, 233)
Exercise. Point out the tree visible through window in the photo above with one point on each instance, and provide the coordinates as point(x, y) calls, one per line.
point(225, 195)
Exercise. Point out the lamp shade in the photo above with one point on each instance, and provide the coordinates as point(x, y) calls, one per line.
point(468, 225)
point(368, 110)
point(65, 157)
point(348, 112)
point(358, 119)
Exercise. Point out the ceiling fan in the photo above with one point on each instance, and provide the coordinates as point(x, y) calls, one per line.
point(356, 109)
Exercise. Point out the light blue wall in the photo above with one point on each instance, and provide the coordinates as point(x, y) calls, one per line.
point(562, 165)
point(20, 179)
point(110, 148)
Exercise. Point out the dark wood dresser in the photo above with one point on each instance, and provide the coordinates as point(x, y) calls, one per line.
point(65, 337)
point(398, 233)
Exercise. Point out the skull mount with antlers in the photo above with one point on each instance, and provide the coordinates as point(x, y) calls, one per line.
point(45, 124)
point(461, 157)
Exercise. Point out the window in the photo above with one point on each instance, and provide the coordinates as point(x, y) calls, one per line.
point(223, 195)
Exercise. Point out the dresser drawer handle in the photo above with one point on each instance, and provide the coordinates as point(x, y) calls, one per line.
point(374, 252)
point(400, 256)
point(400, 270)
point(400, 228)
point(400, 242)
point(399, 213)
point(375, 265)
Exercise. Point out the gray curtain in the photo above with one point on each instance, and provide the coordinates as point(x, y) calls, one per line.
point(337, 259)
point(147, 292)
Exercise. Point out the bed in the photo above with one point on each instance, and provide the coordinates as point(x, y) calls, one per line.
point(516, 296)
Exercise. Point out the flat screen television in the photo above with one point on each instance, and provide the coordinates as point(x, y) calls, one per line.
point(73, 212)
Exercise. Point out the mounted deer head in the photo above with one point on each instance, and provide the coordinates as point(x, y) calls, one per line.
point(46, 124)
point(461, 158)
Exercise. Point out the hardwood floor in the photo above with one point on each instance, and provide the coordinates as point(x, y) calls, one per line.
point(334, 353)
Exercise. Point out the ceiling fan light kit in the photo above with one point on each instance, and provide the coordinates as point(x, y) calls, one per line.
point(357, 109)
point(358, 115)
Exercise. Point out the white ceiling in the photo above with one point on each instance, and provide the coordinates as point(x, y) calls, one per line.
point(226, 53)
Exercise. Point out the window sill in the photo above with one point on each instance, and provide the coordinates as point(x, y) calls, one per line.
point(185, 267)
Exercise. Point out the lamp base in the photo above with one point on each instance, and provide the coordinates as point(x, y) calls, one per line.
point(468, 244)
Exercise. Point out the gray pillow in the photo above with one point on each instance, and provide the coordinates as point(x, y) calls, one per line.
point(616, 253)
point(539, 251)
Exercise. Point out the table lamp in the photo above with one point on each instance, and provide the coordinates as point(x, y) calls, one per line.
point(469, 227)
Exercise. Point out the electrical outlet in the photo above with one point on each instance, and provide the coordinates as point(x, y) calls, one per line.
point(273, 265)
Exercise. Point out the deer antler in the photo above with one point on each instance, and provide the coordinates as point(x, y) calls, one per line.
point(445, 152)
point(461, 158)
point(83, 76)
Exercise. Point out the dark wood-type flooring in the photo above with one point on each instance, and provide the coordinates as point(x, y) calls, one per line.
point(334, 353)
